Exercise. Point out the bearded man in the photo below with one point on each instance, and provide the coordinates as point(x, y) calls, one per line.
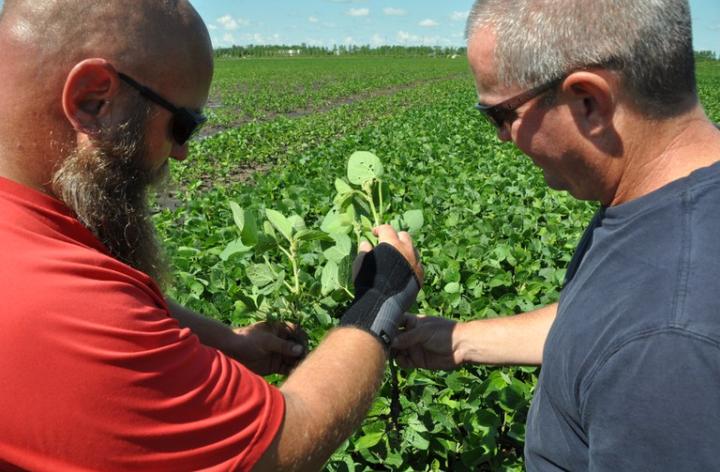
point(100, 371)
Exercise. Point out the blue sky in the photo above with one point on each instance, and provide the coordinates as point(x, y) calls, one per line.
point(374, 22)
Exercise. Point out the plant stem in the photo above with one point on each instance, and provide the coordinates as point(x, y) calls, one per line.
point(380, 199)
point(292, 255)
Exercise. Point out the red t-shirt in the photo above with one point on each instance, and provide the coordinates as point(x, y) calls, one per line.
point(95, 375)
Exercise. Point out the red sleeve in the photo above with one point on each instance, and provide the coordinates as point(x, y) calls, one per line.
point(104, 379)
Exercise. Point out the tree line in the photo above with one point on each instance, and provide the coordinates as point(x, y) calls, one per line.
point(340, 50)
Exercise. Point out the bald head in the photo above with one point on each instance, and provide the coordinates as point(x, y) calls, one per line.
point(162, 43)
point(144, 36)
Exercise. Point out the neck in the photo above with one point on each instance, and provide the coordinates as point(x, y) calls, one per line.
point(665, 152)
point(30, 162)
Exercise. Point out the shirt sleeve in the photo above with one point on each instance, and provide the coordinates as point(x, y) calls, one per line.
point(112, 382)
point(653, 404)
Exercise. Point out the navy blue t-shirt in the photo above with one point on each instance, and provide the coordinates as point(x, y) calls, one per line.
point(631, 367)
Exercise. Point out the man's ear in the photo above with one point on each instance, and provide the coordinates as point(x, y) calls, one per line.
point(592, 100)
point(88, 92)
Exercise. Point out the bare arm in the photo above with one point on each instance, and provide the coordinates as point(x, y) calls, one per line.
point(327, 397)
point(211, 332)
point(438, 343)
point(262, 347)
point(515, 340)
point(325, 400)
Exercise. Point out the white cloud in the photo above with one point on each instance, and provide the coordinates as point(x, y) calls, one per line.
point(212, 27)
point(459, 15)
point(230, 23)
point(313, 19)
point(358, 12)
point(349, 40)
point(394, 11)
point(377, 40)
point(428, 23)
point(408, 39)
point(228, 39)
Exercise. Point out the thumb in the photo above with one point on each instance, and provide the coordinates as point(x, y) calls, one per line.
point(408, 339)
point(284, 347)
point(363, 249)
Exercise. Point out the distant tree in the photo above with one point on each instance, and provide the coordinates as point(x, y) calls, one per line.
point(337, 50)
point(706, 56)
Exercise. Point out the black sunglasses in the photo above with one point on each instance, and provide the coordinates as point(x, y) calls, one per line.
point(186, 123)
point(504, 112)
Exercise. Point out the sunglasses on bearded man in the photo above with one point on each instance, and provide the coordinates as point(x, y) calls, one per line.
point(185, 124)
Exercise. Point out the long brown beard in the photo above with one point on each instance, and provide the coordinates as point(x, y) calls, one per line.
point(107, 188)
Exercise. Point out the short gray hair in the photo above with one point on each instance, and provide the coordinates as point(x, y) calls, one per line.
point(648, 42)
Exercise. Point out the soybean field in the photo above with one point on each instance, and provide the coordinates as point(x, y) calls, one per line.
point(264, 217)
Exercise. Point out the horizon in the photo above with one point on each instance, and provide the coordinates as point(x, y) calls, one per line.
point(374, 23)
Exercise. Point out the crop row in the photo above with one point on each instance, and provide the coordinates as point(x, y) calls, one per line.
point(494, 241)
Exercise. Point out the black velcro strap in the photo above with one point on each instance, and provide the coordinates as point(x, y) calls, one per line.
point(385, 289)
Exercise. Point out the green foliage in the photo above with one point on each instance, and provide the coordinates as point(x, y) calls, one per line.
point(493, 239)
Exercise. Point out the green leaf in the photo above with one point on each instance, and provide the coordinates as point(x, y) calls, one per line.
point(345, 271)
point(334, 254)
point(335, 222)
point(363, 167)
point(265, 243)
point(297, 222)
point(369, 440)
point(312, 235)
point(452, 287)
point(417, 440)
point(238, 215)
point(280, 223)
point(250, 230)
point(260, 275)
point(414, 220)
point(329, 279)
point(343, 242)
point(234, 247)
point(342, 187)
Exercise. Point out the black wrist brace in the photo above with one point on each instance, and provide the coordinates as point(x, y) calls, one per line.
point(385, 288)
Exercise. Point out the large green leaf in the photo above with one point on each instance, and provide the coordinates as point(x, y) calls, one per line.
point(369, 440)
point(330, 277)
point(260, 275)
point(363, 167)
point(280, 223)
point(235, 247)
point(238, 215)
point(414, 220)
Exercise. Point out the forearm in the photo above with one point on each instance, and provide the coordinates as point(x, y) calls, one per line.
point(326, 398)
point(510, 340)
point(211, 332)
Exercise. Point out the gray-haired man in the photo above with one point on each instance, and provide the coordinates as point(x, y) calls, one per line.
point(601, 96)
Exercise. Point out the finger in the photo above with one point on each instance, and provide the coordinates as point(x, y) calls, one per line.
point(283, 347)
point(408, 321)
point(409, 339)
point(403, 360)
point(387, 234)
point(417, 357)
point(357, 263)
point(405, 238)
point(299, 336)
point(364, 246)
